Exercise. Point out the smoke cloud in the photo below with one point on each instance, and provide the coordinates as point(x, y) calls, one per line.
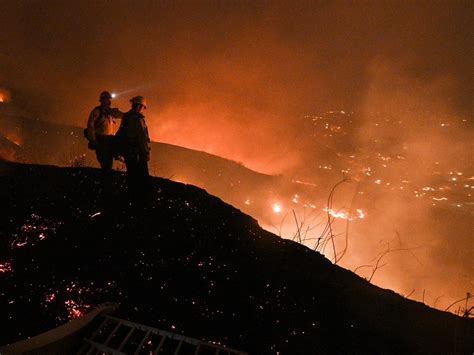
point(237, 79)
point(251, 70)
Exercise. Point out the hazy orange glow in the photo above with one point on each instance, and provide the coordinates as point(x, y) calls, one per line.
point(4, 95)
point(271, 85)
point(218, 129)
point(11, 133)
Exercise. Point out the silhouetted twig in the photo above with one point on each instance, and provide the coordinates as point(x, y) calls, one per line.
point(466, 311)
point(376, 267)
point(327, 235)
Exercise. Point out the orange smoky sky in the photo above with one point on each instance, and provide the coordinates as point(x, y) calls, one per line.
point(231, 78)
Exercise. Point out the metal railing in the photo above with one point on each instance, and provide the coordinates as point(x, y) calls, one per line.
point(118, 336)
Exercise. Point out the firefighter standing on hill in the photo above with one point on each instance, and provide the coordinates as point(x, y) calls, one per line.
point(135, 148)
point(100, 130)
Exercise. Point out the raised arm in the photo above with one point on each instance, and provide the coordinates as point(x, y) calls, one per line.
point(116, 113)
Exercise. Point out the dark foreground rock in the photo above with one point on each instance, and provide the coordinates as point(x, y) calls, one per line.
point(192, 264)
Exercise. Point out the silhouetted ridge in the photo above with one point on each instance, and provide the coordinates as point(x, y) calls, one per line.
point(193, 264)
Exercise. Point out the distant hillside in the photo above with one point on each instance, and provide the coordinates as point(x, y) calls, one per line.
point(193, 264)
point(40, 142)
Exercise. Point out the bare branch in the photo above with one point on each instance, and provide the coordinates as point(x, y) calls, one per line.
point(468, 296)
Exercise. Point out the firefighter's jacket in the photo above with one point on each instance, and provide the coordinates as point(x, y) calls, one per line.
point(135, 136)
point(101, 122)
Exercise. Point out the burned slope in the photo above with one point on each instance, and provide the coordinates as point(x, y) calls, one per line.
point(194, 265)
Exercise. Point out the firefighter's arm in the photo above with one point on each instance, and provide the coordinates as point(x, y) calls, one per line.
point(94, 115)
point(116, 113)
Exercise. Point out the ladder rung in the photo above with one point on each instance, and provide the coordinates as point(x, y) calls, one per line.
point(103, 348)
point(198, 349)
point(124, 341)
point(160, 345)
point(113, 333)
point(102, 325)
point(199, 344)
point(178, 348)
point(142, 342)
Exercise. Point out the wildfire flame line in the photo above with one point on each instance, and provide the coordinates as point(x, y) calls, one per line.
point(345, 214)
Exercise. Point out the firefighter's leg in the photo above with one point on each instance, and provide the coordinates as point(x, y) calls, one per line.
point(104, 152)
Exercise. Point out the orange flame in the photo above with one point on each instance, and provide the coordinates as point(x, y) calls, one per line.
point(276, 207)
point(4, 96)
point(345, 214)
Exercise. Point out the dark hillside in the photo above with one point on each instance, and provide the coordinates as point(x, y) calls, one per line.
point(192, 264)
point(34, 141)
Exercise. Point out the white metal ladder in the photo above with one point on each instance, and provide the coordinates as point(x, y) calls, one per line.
point(120, 337)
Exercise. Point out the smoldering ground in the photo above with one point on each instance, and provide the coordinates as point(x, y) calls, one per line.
point(237, 79)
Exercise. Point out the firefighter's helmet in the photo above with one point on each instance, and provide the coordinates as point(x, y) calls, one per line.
point(105, 95)
point(140, 100)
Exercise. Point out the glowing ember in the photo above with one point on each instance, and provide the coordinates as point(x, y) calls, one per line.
point(295, 199)
point(276, 207)
point(1, 98)
point(304, 183)
point(247, 202)
point(50, 297)
point(20, 244)
point(35, 229)
point(5, 267)
point(360, 213)
point(341, 214)
point(73, 309)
